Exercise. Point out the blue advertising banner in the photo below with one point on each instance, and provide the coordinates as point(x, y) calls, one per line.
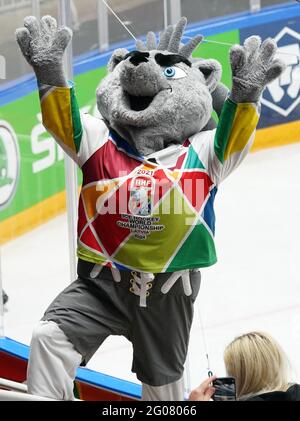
point(281, 99)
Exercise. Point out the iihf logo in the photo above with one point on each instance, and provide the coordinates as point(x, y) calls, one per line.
point(141, 195)
point(283, 94)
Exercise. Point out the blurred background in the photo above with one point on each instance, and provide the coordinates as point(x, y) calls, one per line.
point(256, 284)
point(139, 15)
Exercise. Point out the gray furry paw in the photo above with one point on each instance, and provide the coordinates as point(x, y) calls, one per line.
point(43, 42)
point(253, 68)
point(43, 45)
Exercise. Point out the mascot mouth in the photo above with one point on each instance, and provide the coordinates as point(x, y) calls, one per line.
point(139, 103)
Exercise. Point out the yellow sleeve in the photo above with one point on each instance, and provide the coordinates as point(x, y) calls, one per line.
point(61, 117)
point(234, 136)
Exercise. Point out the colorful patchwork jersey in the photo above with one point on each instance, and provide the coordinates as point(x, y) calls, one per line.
point(149, 214)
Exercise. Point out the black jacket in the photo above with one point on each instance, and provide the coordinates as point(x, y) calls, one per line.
point(292, 394)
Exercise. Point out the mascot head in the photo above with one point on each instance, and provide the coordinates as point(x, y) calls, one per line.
point(157, 95)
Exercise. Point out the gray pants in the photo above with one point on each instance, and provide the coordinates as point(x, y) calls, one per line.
point(53, 363)
point(95, 306)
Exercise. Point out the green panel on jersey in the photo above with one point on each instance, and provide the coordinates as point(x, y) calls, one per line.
point(198, 239)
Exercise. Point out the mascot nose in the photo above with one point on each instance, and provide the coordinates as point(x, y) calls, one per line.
point(141, 76)
point(138, 57)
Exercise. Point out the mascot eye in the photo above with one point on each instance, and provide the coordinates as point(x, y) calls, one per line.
point(174, 73)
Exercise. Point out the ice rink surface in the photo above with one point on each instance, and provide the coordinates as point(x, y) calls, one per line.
point(254, 286)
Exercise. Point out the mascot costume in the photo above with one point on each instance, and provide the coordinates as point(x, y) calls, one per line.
point(151, 168)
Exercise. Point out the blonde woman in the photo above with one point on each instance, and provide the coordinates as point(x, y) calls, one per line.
point(260, 369)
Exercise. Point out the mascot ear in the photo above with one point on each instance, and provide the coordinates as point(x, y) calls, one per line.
point(212, 72)
point(116, 58)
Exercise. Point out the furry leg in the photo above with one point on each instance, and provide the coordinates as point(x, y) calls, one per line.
point(169, 392)
point(52, 364)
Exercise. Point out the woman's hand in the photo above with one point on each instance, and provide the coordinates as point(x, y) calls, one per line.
point(203, 392)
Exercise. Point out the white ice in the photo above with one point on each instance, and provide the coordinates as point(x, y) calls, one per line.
point(254, 286)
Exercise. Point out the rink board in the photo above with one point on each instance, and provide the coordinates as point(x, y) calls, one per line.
point(89, 384)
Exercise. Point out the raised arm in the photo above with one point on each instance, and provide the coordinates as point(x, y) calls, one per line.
point(253, 67)
point(43, 44)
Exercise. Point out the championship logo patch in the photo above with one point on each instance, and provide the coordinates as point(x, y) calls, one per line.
point(141, 196)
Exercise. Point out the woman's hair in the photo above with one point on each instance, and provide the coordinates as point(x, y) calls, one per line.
point(258, 364)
